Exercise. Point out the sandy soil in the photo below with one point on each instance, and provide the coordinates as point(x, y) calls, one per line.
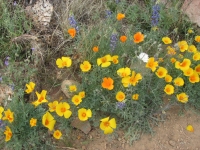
point(169, 135)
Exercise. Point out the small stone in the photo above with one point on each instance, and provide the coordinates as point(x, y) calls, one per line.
point(83, 147)
point(81, 125)
point(172, 143)
point(191, 8)
point(90, 137)
point(64, 87)
point(123, 146)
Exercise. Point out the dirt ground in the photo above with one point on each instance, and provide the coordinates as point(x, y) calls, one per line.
point(169, 135)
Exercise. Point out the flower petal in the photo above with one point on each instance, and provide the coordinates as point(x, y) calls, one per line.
point(113, 123)
point(67, 114)
point(108, 130)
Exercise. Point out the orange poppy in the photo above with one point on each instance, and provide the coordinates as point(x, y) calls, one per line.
point(72, 32)
point(123, 38)
point(138, 37)
point(120, 16)
point(107, 83)
point(95, 48)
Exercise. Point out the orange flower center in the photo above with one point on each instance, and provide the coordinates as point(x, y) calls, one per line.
point(193, 78)
point(41, 99)
point(9, 134)
point(197, 69)
point(106, 124)
point(114, 61)
point(86, 67)
point(121, 96)
point(168, 89)
point(64, 63)
point(151, 64)
point(46, 122)
point(181, 98)
point(57, 133)
point(132, 79)
point(77, 100)
point(182, 47)
point(9, 117)
point(63, 110)
point(103, 60)
point(183, 64)
point(160, 73)
point(83, 114)
point(123, 74)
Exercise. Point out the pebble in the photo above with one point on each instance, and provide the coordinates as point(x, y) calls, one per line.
point(172, 143)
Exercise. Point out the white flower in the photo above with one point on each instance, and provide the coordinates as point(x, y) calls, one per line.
point(144, 57)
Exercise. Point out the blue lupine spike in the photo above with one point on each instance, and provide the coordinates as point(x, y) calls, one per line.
point(113, 41)
point(155, 15)
point(120, 105)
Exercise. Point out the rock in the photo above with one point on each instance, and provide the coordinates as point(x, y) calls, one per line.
point(172, 143)
point(64, 87)
point(6, 93)
point(191, 9)
point(81, 125)
point(40, 13)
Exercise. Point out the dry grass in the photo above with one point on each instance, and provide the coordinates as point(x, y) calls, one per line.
point(83, 11)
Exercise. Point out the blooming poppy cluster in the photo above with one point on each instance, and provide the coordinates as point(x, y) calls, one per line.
point(9, 116)
point(106, 60)
point(128, 77)
point(77, 98)
point(183, 64)
point(118, 79)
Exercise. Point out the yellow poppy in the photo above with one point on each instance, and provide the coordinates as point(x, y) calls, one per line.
point(63, 109)
point(8, 115)
point(76, 99)
point(57, 134)
point(166, 40)
point(48, 121)
point(152, 64)
point(84, 114)
point(120, 96)
point(104, 61)
point(33, 122)
point(41, 98)
point(161, 72)
point(30, 87)
point(64, 62)
point(108, 125)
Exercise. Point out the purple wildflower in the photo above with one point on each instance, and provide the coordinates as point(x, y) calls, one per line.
point(108, 13)
point(155, 15)
point(32, 48)
point(1, 79)
point(120, 105)
point(14, 3)
point(2, 125)
point(73, 22)
point(117, 1)
point(6, 62)
point(12, 86)
point(113, 41)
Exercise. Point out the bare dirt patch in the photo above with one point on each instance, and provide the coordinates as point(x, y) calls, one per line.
point(169, 135)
